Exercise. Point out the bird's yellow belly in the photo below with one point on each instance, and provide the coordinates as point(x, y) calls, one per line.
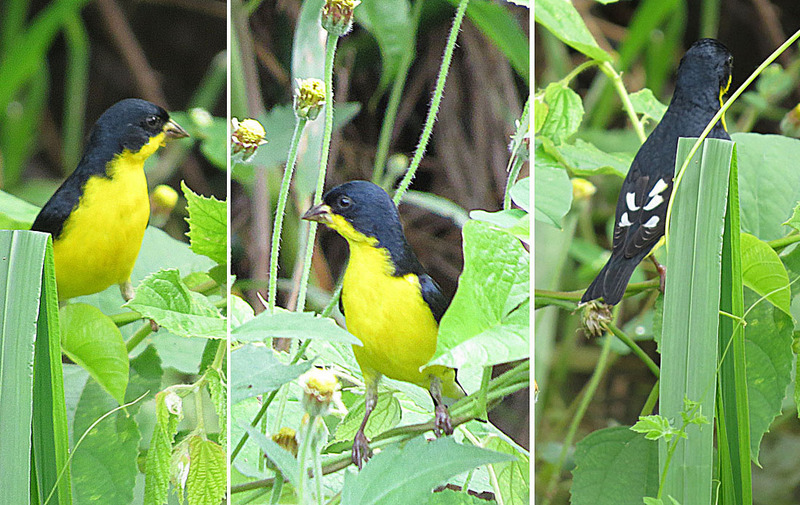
point(101, 239)
point(389, 316)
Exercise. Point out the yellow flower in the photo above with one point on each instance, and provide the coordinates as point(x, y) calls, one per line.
point(247, 136)
point(320, 388)
point(582, 189)
point(309, 97)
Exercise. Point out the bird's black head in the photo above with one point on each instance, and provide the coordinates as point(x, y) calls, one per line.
point(363, 213)
point(131, 124)
point(704, 70)
point(358, 210)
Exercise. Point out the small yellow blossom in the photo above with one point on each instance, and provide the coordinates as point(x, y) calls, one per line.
point(582, 189)
point(247, 136)
point(320, 388)
point(309, 97)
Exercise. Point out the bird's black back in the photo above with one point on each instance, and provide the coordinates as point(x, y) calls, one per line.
point(126, 125)
point(640, 219)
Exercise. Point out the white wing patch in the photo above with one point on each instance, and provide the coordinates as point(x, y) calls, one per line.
point(654, 202)
point(652, 222)
point(655, 195)
point(630, 199)
point(624, 221)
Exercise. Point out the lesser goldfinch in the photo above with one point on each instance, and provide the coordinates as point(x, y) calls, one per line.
point(704, 75)
point(98, 216)
point(388, 300)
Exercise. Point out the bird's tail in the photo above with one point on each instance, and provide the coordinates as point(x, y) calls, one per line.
point(611, 282)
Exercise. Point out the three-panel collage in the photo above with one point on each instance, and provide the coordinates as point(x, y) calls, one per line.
point(282, 252)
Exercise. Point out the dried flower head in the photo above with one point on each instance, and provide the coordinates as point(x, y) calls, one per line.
point(309, 97)
point(320, 388)
point(595, 316)
point(247, 136)
point(287, 439)
point(337, 16)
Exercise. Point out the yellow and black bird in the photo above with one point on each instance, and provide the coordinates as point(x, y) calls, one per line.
point(704, 75)
point(388, 300)
point(98, 216)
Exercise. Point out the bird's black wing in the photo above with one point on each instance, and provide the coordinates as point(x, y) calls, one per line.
point(433, 296)
point(56, 211)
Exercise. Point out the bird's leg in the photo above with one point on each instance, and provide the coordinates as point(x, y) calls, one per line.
point(361, 451)
point(662, 272)
point(126, 290)
point(442, 423)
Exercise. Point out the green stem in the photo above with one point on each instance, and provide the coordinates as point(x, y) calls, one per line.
point(635, 348)
point(330, 53)
point(222, 349)
point(385, 137)
point(616, 80)
point(437, 99)
point(485, 378)
point(137, 337)
point(514, 161)
point(301, 460)
point(594, 382)
point(283, 196)
point(575, 296)
point(317, 463)
point(577, 70)
point(198, 406)
point(650, 404)
point(783, 242)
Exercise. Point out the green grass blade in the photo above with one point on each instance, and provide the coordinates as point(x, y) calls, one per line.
point(691, 310)
point(733, 421)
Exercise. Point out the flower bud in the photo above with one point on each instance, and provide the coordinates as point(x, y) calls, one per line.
point(162, 201)
point(201, 117)
point(582, 189)
point(320, 388)
point(309, 97)
point(247, 136)
point(337, 16)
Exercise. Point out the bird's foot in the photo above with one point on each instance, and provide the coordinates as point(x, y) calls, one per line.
point(442, 425)
point(662, 274)
point(361, 451)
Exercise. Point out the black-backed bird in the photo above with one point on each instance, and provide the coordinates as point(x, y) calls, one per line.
point(704, 75)
point(388, 300)
point(98, 216)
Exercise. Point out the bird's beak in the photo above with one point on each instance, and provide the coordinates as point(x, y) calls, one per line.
point(320, 213)
point(173, 130)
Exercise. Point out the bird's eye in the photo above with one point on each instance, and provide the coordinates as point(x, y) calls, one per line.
point(344, 202)
point(152, 121)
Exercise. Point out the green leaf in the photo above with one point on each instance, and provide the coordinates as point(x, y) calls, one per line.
point(218, 389)
point(164, 298)
point(452, 497)
point(644, 102)
point(654, 427)
point(763, 208)
point(395, 475)
point(16, 214)
point(564, 112)
point(159, 455)
point(515, 221)
point(584, 160)
point(488, 320)
point(286, 324)
point(258, 371)
point(614, 466)
point(553, 189)
point(208, 225)
point(768, 351)
point(389, 21)
point(793, 221)
point(207, 480)
point(764, 273)
point(513, 477)
point(521, 193)
point(386, 415)
point(563, 21)
point(92, 340)
point(239, 311)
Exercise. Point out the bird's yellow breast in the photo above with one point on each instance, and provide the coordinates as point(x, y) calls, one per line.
point(102, 236)
point(388, 314)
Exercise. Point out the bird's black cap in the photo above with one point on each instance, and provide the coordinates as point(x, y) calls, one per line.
point(707, 60)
